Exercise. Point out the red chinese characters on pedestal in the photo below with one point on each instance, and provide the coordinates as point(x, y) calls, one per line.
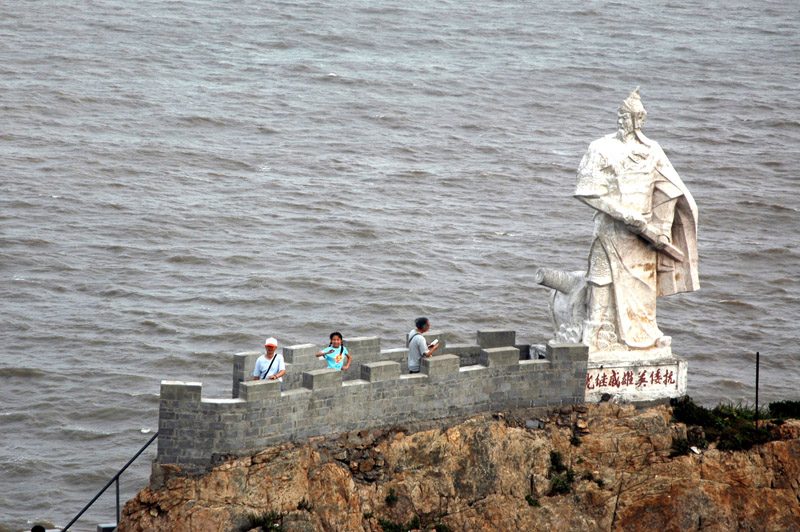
point(655, 378)
point(627, 378)
point(637, 379)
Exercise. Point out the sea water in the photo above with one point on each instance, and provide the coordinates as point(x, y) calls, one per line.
point(180, 180)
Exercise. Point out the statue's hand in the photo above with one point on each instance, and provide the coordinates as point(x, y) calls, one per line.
point(635, 221)
point(661, 242)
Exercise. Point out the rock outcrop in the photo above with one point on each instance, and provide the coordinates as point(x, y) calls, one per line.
point(581, 468)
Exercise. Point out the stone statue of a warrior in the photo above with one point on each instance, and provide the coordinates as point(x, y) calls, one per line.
point(645, 237)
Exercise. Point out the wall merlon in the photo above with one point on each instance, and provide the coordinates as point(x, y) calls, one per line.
point(488, 338)
point(181, 391)
point(380, 371)
point(245, 359)
point(567, 352)
point(363, 345)
point(320, 379)
point(500, 356)
point(243, 366)
point(259, 390)
point(300, 353)
point(437, 366)
point(430, 336)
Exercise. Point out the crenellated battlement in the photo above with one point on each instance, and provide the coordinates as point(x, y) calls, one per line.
point(377, 391)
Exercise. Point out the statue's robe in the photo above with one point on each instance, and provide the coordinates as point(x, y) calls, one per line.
point(637, 176)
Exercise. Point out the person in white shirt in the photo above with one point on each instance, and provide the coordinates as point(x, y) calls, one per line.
point(270, 365)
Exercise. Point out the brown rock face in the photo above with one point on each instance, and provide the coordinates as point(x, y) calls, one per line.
point(491, 474)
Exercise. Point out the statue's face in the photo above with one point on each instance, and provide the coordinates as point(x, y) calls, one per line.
point(624, 123)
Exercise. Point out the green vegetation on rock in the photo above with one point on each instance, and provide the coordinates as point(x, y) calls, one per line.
point(732, 427)
point(785, 409)
point(268, 521)
point(561, 477)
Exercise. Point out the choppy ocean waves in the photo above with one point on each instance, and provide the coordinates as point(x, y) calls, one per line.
point(179, 184)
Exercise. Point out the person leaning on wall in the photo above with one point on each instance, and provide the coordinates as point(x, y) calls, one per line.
point(336, 352)
point(270, 365)
point(417, 346)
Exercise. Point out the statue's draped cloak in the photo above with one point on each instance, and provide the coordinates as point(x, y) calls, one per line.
point(637, 176)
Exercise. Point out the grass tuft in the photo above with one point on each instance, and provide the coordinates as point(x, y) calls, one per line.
point(532, 501)
point(268, 521)
point(392, 498)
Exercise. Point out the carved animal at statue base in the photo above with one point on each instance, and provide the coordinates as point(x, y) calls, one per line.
point(567, 302)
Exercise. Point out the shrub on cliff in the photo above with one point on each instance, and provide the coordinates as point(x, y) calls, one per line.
point(561, 477)
point(392, 498)
point(680, 447)
point(785, 409)
point(267, 521)
point(732, 427)
point(743, 437)
point(685, 411)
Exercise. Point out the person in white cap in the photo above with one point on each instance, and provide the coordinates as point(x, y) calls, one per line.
point(270, 365)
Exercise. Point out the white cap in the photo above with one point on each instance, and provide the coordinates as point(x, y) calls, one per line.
point(271, 341)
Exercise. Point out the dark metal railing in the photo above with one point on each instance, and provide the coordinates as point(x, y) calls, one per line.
point(758, 363)
point(115, 478)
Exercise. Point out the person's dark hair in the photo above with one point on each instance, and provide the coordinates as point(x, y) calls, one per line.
point(38, 528)
point(421, 322)
point(341, 346)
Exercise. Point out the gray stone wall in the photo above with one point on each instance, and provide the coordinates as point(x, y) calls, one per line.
point(365, 350)
point(375, 392)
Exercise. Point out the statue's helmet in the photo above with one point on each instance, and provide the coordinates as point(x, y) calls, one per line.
point(633, 105)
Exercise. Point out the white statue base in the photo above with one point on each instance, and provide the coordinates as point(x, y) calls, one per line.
point(634, 376)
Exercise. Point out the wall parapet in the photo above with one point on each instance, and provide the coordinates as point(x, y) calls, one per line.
point(377, 391)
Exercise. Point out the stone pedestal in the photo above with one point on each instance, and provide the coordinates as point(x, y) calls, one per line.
point(633, 376)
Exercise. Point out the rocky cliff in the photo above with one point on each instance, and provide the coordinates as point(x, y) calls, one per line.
point(581, 468)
